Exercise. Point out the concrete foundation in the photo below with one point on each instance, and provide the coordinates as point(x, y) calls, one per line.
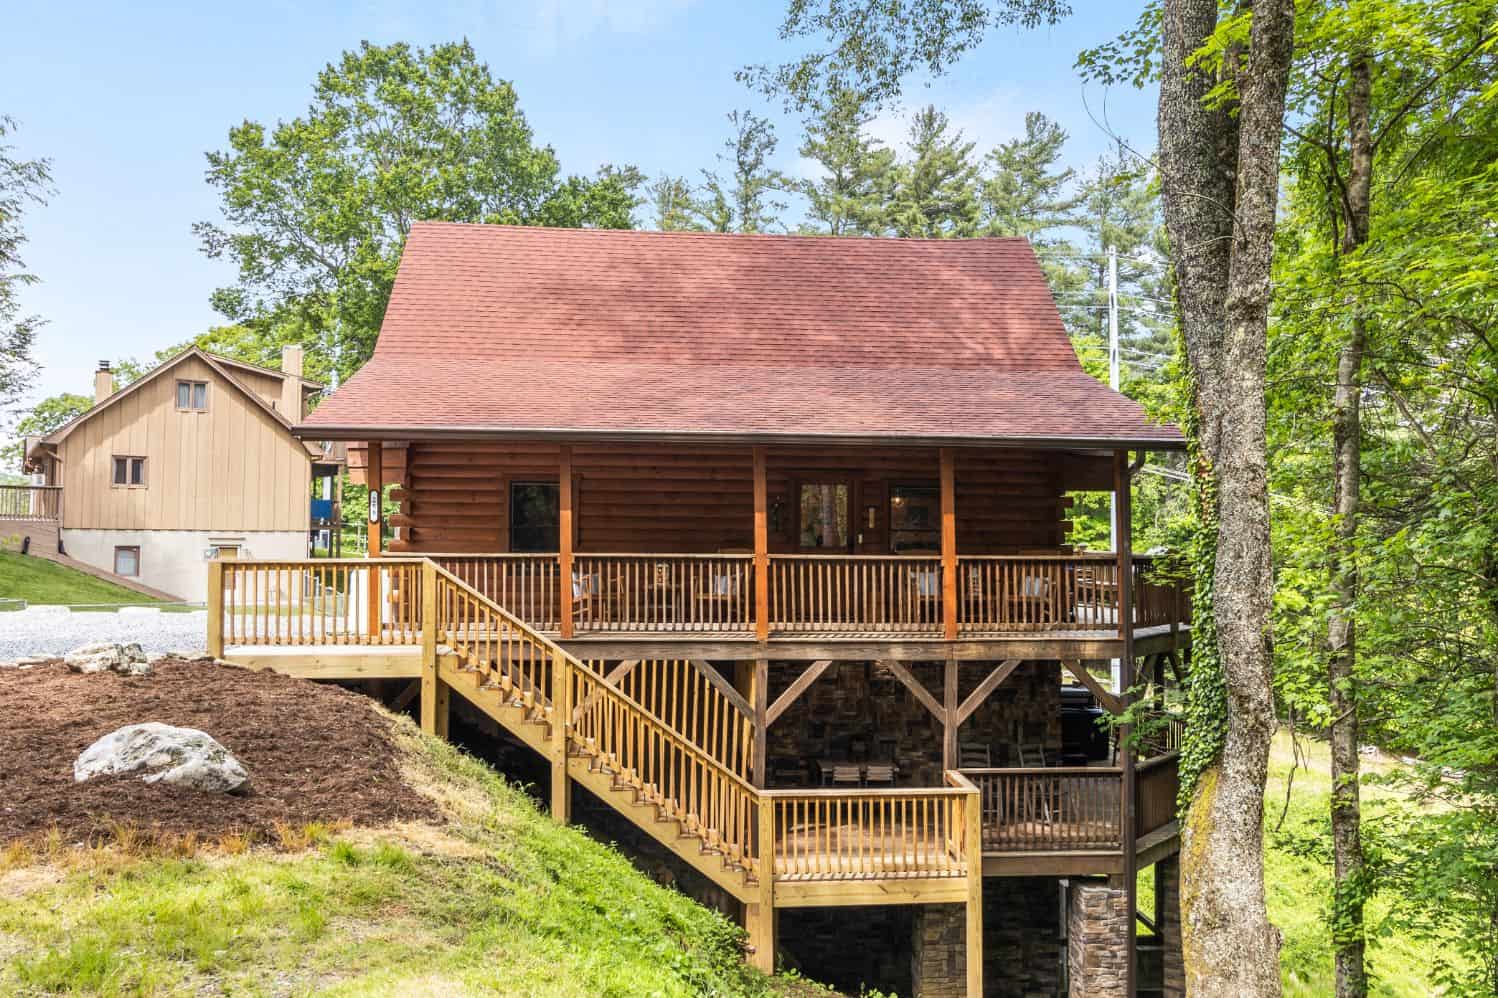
point(175, 561)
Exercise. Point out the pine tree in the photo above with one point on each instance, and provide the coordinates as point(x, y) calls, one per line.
point(744, 201)
point(1026, 193)
point(852, 195)
point(936, 193)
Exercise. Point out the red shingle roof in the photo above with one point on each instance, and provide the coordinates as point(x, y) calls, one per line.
point(505, 329)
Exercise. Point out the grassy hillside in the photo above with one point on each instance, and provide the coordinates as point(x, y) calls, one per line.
point(37, 580)
point(498, 899)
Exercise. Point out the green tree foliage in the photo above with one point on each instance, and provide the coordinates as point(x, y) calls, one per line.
point(44, 417)
point(854, 188)
point(1028, 192)
point(316, 209)
point(674, 205)
point(23, 183)
point(744, 199)
point(936, 185)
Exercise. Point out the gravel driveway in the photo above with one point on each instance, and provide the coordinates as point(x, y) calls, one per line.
point(54, 630)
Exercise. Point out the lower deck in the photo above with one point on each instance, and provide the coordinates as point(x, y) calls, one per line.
point(854, 842)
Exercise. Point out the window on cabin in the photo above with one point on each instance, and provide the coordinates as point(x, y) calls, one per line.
point(824, 515)
point(127, 561)
point(914, 518)
point(192, 396)
point(535, 516)
point(130, 472)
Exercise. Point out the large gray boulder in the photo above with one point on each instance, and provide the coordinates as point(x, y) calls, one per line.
point(104, 656)
point(182, 757)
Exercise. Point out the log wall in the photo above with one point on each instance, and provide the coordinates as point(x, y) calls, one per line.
point(638, 498)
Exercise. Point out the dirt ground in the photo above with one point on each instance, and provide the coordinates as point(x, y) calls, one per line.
point(314, 753)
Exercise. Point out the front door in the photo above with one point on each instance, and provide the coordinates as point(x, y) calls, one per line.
point(535, 517)
point(824, 524)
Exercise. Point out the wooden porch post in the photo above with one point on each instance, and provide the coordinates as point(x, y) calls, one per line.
point(216, 608)
point(561, 707)
point(761, 547)
point(759, 915)
point(375, 473)
point(949, 755)
point(760, 699)
point(564, 536)
point(948, 545)
point(431, 720)
point(1123, 491)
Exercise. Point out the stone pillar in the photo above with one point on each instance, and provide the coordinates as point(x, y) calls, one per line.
point(938, 952)
point(1168, 918)
point(1097, 935)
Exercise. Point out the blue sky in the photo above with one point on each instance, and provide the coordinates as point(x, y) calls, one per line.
point(126, 98)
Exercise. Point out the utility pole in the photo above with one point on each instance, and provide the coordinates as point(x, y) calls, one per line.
point(1113, 384)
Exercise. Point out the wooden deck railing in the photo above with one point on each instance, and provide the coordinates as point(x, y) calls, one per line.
point(30, 502)
point(319, 602)
point(1157, 783)
point(527, 585)
point(808, 595)
point(704, 709)
point(643, 751)
point(653, 592)
point(486, 637)
point(1049, 810)
point(831, 594)
point(870, 834)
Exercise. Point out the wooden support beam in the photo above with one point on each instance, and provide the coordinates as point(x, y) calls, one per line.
point(1106, 699)
point(990, 683)
point(216, 608)
point(564, 536)
point(723, 686)
point(793, 693)
point(759, 693)
point(950, 758)
point(375, 471)
point(618, 672)
point(429, 678)
point(561, 702)
point(404, 698)
point(948, 543)
point(760, 914)
point(761, 546)
point(973, 833)
point(914, 686)
point(1122, 487)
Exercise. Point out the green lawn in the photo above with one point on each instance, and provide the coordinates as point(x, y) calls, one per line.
point(499, 900)
point(37, 580)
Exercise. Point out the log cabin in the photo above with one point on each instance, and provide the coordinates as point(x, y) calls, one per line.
point(762, 542)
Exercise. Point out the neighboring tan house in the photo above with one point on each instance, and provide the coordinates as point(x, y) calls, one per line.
point(194, 460)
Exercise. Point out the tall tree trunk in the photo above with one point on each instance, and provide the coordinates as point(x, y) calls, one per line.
point(1221, 190)
point(1348, 937)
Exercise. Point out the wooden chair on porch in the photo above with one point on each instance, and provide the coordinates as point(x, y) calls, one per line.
point(925, 588)
point(723, 589)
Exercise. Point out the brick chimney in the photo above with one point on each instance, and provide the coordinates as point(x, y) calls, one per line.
point(291, 385)
point(103, 382)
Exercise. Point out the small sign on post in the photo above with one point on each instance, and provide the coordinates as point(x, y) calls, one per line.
point(374, 506)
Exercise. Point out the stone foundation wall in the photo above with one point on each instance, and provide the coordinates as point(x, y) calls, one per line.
point(859, 710)
point(938, 951)
point(1097, 929)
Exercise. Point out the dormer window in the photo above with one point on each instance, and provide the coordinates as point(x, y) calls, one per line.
point(192, 396)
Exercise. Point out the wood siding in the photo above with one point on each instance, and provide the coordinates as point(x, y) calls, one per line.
point(232, 468)
point(637, 498)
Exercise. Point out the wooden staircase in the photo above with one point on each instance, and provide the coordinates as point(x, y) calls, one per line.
point(594, 733)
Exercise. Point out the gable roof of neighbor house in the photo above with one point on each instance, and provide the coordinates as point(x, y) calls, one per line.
point(219, 365)
point(514, 331)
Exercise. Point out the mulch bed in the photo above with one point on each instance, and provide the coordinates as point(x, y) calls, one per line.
point(314, 753)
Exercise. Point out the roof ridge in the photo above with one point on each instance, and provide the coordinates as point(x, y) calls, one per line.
point(744, 236)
